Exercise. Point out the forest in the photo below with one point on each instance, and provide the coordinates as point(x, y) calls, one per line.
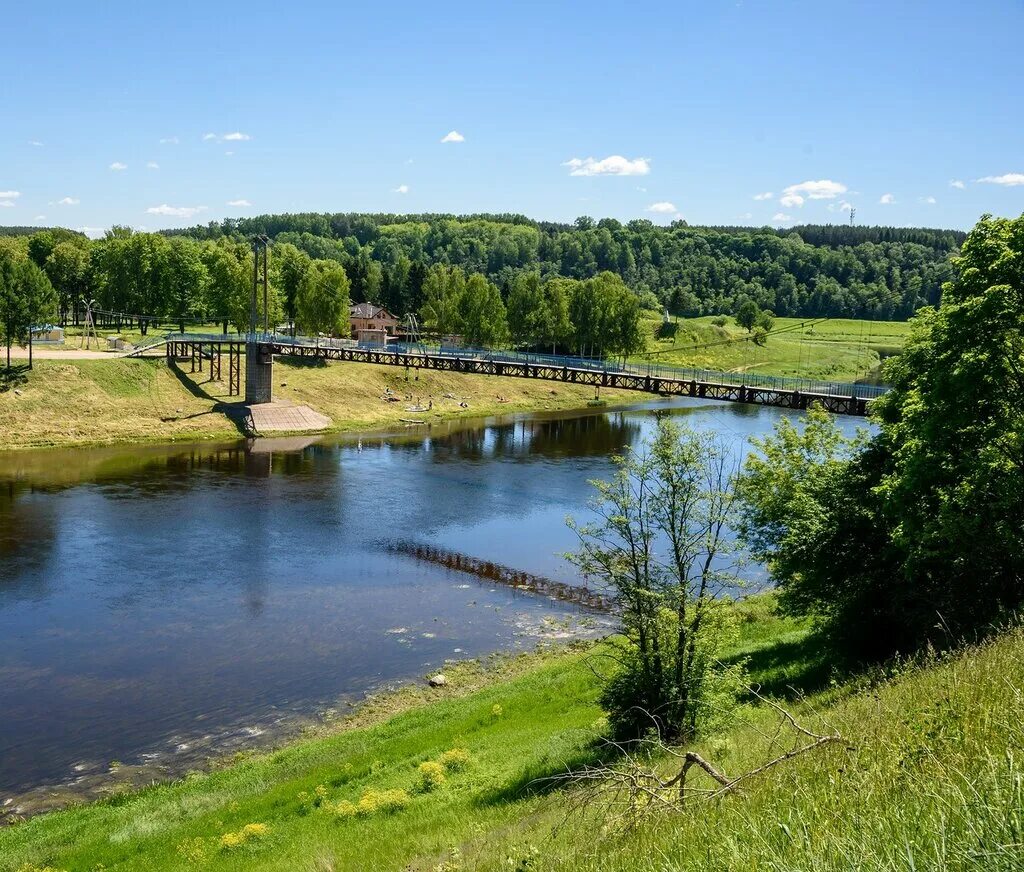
point(491, 279)
point(815, 270)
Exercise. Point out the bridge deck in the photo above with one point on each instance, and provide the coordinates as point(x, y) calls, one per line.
point(837, 397)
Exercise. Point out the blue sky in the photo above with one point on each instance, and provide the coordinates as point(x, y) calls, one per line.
point(165, 116)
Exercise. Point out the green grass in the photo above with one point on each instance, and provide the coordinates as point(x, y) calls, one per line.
point(929, 776)
point(116, 400)
point(836, 349)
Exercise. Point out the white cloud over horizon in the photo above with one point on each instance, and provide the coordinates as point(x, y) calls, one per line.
point(930, 201)
point(662, 208)
point(887, 199)
point(9, 195)
point(453, 136)
point(175, 211)
point(68, 201)
point(957, 183)
point(401, 189)
point(822, 189)
point(239, 204)
point(7, 204)
point(766, 195)
point(781, 217)
point(1006, 179)
point(118, 166)
point(613, 165)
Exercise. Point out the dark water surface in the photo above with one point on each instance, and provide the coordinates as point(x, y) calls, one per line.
point(161, 602)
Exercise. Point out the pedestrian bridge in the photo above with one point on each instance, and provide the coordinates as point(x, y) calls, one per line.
point(841, 398)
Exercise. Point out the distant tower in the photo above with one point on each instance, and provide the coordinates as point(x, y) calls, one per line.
point(853, 213)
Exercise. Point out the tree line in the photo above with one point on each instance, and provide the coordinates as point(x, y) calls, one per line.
point(809, 271)
point(181, 280)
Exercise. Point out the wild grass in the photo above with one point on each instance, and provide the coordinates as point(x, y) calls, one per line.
point(930, 777)
point(836, 349)
point(98, 402)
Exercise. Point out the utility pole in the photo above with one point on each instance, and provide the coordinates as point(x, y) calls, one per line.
point(853, 213)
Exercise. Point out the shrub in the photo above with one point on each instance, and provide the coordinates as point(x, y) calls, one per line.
point(431, 775)
point(248, 833)
point(454, 760)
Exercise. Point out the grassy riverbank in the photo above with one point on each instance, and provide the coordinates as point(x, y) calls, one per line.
point(925, 779)
point(836, 348)
point(96, 402)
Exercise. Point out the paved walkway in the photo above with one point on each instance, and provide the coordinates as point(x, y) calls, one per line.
point(271, 417)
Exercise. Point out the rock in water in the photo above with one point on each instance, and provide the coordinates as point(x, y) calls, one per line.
point(437, 680)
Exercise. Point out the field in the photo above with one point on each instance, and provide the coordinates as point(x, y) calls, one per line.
point(80, 402)
point(832, 349)
point(923, 779)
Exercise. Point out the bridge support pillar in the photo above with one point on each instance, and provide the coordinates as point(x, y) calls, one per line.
point(259, 373)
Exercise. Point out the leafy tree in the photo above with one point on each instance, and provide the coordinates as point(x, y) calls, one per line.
point(765, 321)
point(659, 541)
point(322, 299)
point(229, 268)
point(184, 280)
point(26, 297)
point(443, 289)
point(292, 266)
point(525, 308)
point(747, 315)
point(484, 322)
point(68, 269)
point(917, 535)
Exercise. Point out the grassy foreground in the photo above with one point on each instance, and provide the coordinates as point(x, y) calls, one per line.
point(96, 402)
point(930, 777)
point(832, 349)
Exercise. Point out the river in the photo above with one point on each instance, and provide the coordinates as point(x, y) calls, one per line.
point(162, 604)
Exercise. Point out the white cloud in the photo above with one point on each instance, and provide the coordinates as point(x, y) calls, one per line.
point(36, 143)
point(931, 201)
point(117, 165)
point(228, 153)
point(614, 165)
point(152, 165)
point(663, 208)
point(779, 216)
point(176, 211)
point(170, 140)
point(207, 137)
point(6, 204)
point(236, 137)
point(9, 195)
point(791, 200)
point(453, 136)
point(239, 204)
point(823, 189)
point(887, 199)
point(641, 190)
point(1008, 179)
point(68, 201)
point(39, 218)
point(767, 195)
point(401, 189)
point(956, 183)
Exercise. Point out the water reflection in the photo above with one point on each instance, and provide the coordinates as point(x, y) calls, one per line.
point(156, 599)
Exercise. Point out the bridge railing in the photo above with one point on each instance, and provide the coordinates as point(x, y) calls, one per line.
point(651, 369)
